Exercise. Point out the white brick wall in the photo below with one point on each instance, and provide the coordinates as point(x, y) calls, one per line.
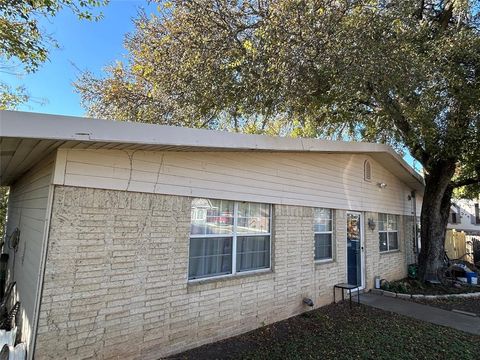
point(388, 265)
point(116, 277)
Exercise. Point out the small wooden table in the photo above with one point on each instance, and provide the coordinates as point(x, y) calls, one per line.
point(349, 287)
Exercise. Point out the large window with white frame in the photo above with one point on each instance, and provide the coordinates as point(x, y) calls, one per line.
point(323, 230)
point(388, 232)
point(228, 237)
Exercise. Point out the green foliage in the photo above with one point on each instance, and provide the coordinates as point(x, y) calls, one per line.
point(11, 98)
point(402, 287)
point(468, 170)
point(21, 37)
point(387, 71)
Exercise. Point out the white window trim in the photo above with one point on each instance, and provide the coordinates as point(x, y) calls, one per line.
point(388, 232)
point(324, 261)
point(234, 247)
point(330, 259)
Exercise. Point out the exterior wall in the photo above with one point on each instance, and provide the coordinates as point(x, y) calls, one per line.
point(116, 277)
point(330, 273)
point(300, 179)
point(466, 220)
point(390, 265)
point(28, 210)
point(411, 240)
point(419, 201)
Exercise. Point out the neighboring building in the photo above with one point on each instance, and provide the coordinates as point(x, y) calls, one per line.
point(463, 230)
point(140, 241)
point(465, 216)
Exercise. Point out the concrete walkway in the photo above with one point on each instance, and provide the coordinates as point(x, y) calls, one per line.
point(469, 324)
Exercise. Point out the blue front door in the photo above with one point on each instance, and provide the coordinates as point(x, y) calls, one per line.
point(354, 249)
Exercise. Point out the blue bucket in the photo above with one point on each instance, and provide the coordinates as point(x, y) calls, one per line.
point(471, 276)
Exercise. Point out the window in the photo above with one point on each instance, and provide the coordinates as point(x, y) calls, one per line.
point(323, 234)
point(454, 218)
point(228, 237)
point(367, 171)
point(388, 232)
point(477, 214)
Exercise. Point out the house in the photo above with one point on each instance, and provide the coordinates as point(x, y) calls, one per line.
point(465, 216)
point(463, 230)
point(140, 241)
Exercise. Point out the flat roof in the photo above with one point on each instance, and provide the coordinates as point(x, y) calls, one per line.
point(27, 137)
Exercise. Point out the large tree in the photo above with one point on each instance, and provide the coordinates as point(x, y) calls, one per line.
point(404, 72)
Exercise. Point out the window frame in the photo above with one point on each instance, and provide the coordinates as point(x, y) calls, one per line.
point(388, 232)
point(367, 175)
point(234, 236)
point(331, 232)
point(454, 218)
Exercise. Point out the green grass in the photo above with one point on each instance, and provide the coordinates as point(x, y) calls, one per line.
point(335, 332)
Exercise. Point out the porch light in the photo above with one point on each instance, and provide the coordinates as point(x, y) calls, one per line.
point(382, 185)
point(371, 224)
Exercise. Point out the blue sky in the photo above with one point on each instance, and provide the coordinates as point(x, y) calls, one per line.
point(84, 45)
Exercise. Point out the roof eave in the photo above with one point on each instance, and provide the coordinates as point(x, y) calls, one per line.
point(35, 126)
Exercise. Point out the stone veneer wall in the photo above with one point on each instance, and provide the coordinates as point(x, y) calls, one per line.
point(116, 285)
point(390, 265)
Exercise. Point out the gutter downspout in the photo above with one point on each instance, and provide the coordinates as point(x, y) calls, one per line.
point(415, 235)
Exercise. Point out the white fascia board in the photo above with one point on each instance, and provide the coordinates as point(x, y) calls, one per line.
point(56, 127)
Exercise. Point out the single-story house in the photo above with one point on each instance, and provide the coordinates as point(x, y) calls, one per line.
point(141, 241)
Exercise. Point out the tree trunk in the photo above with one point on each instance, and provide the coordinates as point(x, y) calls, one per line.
point(434, 218)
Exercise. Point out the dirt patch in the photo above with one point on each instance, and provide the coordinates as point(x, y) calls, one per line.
point(336, 332)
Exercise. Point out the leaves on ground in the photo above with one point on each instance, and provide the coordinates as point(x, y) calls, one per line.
point(335, 331)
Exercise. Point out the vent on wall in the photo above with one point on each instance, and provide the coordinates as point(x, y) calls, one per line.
point(367, 171)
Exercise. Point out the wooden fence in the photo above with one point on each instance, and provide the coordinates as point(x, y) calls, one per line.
point(457, 245)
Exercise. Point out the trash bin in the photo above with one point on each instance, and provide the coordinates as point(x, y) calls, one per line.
point(412, 271)
point(472, 278)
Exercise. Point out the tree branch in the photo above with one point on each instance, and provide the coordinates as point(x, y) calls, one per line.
point(402, 124)
point(207, 121)
point(446, 15)
point(421, 7)
point(465, 182)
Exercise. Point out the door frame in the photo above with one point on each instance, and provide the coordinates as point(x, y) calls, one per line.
point(362, 247)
